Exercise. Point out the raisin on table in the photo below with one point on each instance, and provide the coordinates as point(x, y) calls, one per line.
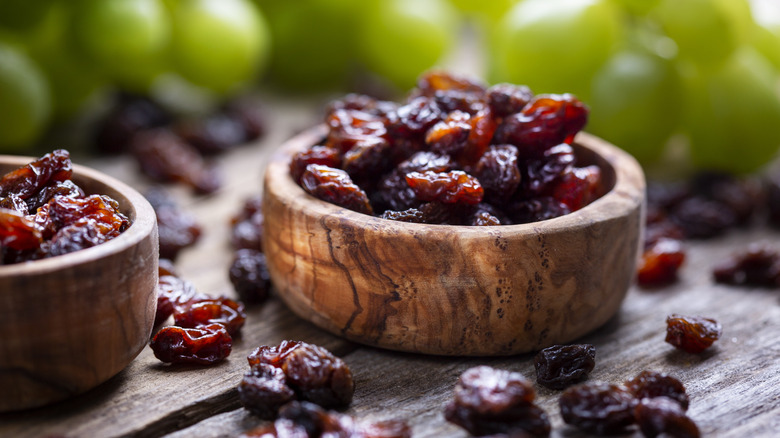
point(263, 390)
point(692, 334)
point(561, 366)
point(205, 345)
point(598, 408)
point(664, 416)
point(246, 227)
point(249, 275)
point(651, 384)
point(660, 262)
point(173, 293)
point(758, 265)
point(208, 311)
point(491, 401)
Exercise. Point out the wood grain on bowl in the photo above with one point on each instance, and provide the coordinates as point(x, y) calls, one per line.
point(71, 322)
point(454, 290)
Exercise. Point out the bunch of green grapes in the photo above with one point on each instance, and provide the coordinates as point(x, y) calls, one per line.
point(650, 69)
point(56, 54)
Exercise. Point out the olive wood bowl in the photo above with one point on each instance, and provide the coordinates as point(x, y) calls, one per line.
point(454, 290)
point(71, 322)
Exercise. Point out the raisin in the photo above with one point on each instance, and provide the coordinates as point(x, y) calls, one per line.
point(664, 416)
point(164, 157)
point(738, 196)
point(313, 372)
point(176, 228)
point(413, 120)
point(692, 334)
point(758, 265)
point(205, 345)
point(324, 155)
point(66, 188)
point(249, 275)
point(508, 99)
point(598, 408)
point(352, 127)
point(498, 173)
point(366, 160)
point(561, 366)
point(449, 136)
point(540, 174)
point(425, 161)
point(484, 219)
point(17, 231)
point(579, 186)
point(385, 429)
point(247, 225)
point(263, 390)
point(660, 262)
point(173, 293)
point(491, 401)
point(434, 81)
point(483, 127)
point(447, 187)
point(651, 384)
point(14, 203)
point(546, 121)
point(700, 218)
point(361, 102)
point(773, 198)
point(28, 180)
point(129, 116)
point(208, 311)
point(536, 209)
point(249, 113)
point(335, 186)
point(213, 133)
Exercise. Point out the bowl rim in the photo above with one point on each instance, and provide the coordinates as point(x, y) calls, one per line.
point(143, 224)
point(626, 192)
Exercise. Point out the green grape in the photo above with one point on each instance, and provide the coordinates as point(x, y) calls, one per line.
point(72, 81)
point(399, 39)
point(127, 39)
point(218, 44)
point(24, 100)
point(23, 15)
point(312, 42)
point(492, 10)
point(732, 113)
point(638, 7)
point(555, 46)
point(706, 31)
point(635, 103)
point(766, 37)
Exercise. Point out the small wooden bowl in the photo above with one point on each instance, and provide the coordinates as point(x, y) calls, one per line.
point(454, 290)
point(71, 322)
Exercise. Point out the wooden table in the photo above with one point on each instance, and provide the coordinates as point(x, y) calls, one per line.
point(734, 387)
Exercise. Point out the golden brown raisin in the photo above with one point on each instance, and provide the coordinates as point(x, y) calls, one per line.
point(692, 334)
point(335, 186)
point(651, 384)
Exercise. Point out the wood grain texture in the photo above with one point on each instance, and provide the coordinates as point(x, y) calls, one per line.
point(454, 290)
point(72, 322)
point(734, 388)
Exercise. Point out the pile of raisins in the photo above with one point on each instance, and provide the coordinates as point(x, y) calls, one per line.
point(249, 270)
point(294, 370)
point(203, 328)
point(456, 152)
point(692, 334)
point(654, 401)
point(307, 420)
point(168, 149)
point(43, 213)
point(490, 401)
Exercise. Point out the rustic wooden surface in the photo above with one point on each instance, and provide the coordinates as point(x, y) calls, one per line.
point(734, 387)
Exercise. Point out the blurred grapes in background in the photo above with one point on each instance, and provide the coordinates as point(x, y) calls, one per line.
point(691, 81)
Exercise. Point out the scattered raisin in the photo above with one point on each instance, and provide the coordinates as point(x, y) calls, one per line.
point(313, 372)
point(692, 334)
point(205, 345)
point(130, 115)
point(236, 123)
point(598, 408)
point(173, 293)
point(490, 401)
point(335, 186)
point(176, 228)
point(263, 390)
point(651, 384)
point(207, 311)
point(247, 225)
point(758, 265)
point(561, 366)
point(664, 416)
point(660, 262)
point(249, 275)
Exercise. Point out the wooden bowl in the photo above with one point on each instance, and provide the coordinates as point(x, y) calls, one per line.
point(454, 290)
point(71, 322)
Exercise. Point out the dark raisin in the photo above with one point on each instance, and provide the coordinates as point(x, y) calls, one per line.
point(598, 408)
point(247, 225)
point(484, 219)
point(692, 334)
point(173, 293)
point(773, 198)
point(351, 127)
point(412, 121)
point(263, 390)
point(131, 115)
point(449, 136)
point(164, 157)
point(491, 401)
point(28, 180)
point(249, 275)
point(758, 265)
point(361, 102)
point(213, 133)
point(651, 384)
point(65, 188)
point(498, 173)
point(579, 186)
point(324, 155)
point(176, 228)
point(664, 416)
point(366, 160)
point(335, 186)
point(738, 195)
point(540, 174)
point(660, 262)
point(546, 121)
point(508, 99)
point(312, 372)
point(205, 345)
point(700, 218)
point(561, 366)
point(447, 187)
point(207, 311)
point(536, 209)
